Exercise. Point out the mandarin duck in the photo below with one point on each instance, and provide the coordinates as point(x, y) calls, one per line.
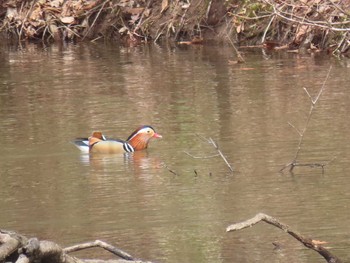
point(98, 143)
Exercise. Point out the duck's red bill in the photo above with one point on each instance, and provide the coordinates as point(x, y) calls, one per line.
point(157, 135)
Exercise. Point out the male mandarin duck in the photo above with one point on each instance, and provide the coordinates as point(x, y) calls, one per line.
point(98, 143)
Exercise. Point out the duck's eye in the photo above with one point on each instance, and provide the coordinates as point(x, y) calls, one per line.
point(148, 131)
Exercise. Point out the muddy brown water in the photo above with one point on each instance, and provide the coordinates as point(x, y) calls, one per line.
point(162, 204)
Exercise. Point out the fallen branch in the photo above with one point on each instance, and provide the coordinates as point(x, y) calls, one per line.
point(101, 244)
point(307, 242)
point(301, 133)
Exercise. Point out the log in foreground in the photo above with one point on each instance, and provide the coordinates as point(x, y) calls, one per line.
point(308, 242)
point(17, 248)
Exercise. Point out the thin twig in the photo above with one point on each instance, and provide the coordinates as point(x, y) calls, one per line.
point(219, 151)
point(324, 84)
point(295, 128)
point(240, 57)
point(267, 29)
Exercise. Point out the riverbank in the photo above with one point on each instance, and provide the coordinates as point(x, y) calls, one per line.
point(314, 25)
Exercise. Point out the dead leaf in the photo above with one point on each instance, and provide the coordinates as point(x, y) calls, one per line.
point(30, 31)
point(301, 32)
point(134, 11)
point(165, 5)
point(67, 9)
point(36, 14)
point(147, 12)
point(240, 28)
point(56, 3)
point(123, 30)
point(53, 28)
point(185, 6)
point(134, 19)
point(124, 3)
point(67, 19)
point(11, 13)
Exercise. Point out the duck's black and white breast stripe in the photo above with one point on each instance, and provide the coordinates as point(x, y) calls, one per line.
point(127, 147)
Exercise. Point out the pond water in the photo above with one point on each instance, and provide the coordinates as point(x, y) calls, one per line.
point(173, 202)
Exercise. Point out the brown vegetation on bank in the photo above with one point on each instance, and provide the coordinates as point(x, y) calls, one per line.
point(314, 25)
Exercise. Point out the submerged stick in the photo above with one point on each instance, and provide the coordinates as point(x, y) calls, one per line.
point(239, 55)
point(220, 153)
point(307, 242)
point(301, 133)
point(216, 146)
point(170, 170)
